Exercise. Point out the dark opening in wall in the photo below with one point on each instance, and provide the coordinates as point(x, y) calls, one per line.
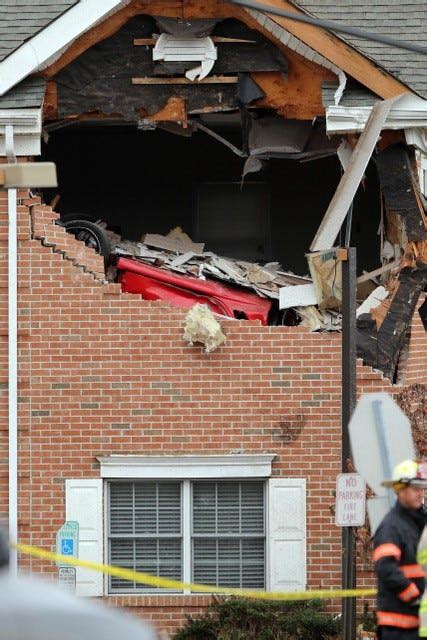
point(153, 181)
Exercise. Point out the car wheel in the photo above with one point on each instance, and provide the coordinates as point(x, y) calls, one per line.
point(91, 234)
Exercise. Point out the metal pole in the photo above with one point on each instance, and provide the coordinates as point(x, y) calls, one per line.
point(348, 403)
point(13, 378)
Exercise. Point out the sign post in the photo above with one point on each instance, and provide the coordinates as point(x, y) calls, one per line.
point(67, 544)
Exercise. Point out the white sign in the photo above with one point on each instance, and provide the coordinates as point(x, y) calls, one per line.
point(67, 578)
point(350, 500)
point(67, 540)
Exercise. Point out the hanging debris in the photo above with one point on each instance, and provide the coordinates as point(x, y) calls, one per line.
point(201, 327)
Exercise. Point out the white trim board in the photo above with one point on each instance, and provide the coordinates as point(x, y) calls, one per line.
point(187, 466)
point(41, 49)
point(27, 126)
point(409, 111)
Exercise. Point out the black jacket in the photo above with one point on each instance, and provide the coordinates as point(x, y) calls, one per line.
point(400, 578)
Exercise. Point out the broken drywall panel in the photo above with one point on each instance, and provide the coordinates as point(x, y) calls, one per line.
point(400, 190)
point(201, 327)
point(176, 240)
point(372, 301)
point(182, 259)
point(350, 180)
point(301, 295)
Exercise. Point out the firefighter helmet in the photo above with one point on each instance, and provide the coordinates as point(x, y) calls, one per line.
point(408, 472)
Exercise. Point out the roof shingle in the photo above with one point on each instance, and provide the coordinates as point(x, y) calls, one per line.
point(20, 20)
point(400, 19)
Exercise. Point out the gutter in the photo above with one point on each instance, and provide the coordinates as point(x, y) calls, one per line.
point(12, 354)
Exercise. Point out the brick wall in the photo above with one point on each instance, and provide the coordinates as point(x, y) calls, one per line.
point(416, 365)
point(103, 372)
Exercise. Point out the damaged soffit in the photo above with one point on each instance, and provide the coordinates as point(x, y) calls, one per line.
point(117, 76)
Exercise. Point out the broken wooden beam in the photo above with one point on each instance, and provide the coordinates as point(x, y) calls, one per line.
point(148, 42)
point(350, 180)
point(381, 334)
point(378, 272)
point(400, 190)
point(208, 80)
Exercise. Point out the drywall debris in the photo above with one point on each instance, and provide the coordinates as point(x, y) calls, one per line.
point(176, 240)
point(202, 327)
point(301, 295)
point(373, 300)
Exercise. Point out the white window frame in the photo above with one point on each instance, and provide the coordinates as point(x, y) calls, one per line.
point(187, 468)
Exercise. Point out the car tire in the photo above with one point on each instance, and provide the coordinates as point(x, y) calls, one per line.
point(91, 234)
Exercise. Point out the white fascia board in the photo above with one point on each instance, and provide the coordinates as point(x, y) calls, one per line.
point(58, 35)
point(411, 111)
point(187, 466)
point(27, 126)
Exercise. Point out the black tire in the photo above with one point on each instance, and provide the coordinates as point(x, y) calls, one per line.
point(91, 234)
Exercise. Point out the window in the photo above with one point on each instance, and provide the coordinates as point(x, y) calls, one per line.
point(145, 530)
point(228, 537)
point(172, 516)
point(221, 523)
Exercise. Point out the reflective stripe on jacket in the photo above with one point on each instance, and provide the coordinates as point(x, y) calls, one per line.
point(400, 578)
point(422, 559)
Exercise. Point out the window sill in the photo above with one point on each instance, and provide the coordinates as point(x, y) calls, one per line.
point(163, 600)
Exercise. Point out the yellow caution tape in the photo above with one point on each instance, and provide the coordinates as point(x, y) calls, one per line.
point(166, 583)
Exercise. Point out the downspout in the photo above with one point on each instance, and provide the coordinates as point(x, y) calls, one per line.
point(12, 355)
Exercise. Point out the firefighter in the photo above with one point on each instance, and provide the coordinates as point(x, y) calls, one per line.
point(400, 579)
point(422, 559)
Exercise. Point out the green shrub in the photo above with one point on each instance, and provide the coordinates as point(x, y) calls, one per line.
point(241, 619)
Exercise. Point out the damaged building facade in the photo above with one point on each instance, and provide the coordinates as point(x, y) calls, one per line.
point(212, 154)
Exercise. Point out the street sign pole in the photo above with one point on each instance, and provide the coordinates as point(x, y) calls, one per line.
point(348, 403)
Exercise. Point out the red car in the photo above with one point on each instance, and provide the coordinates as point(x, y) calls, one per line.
point(153, 283)
point(184, 291)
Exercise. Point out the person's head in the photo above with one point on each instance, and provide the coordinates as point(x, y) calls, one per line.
point(411, 497)
point(409, 481)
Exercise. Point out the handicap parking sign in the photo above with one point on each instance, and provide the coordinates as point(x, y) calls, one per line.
point(67, 540)
point(67, 546)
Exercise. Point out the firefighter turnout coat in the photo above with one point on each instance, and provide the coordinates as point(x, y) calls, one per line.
point(422, 559)
point(400, 578)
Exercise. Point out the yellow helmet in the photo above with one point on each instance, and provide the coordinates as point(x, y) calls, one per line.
point(408, 472)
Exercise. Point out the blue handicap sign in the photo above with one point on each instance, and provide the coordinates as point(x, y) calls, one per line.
point(67, 546)
point(67, 540)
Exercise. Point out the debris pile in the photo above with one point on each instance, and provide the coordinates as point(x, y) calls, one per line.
point(176, 252)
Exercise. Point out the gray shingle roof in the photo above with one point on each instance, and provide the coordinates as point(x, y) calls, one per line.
point(20, 20)
point(28, 93)
point(352, 96)
point(400, 19)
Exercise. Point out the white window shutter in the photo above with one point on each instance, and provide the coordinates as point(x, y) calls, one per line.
point(84, 505)
point(287, 534)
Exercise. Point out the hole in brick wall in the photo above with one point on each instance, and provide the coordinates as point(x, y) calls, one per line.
point(152, 181)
